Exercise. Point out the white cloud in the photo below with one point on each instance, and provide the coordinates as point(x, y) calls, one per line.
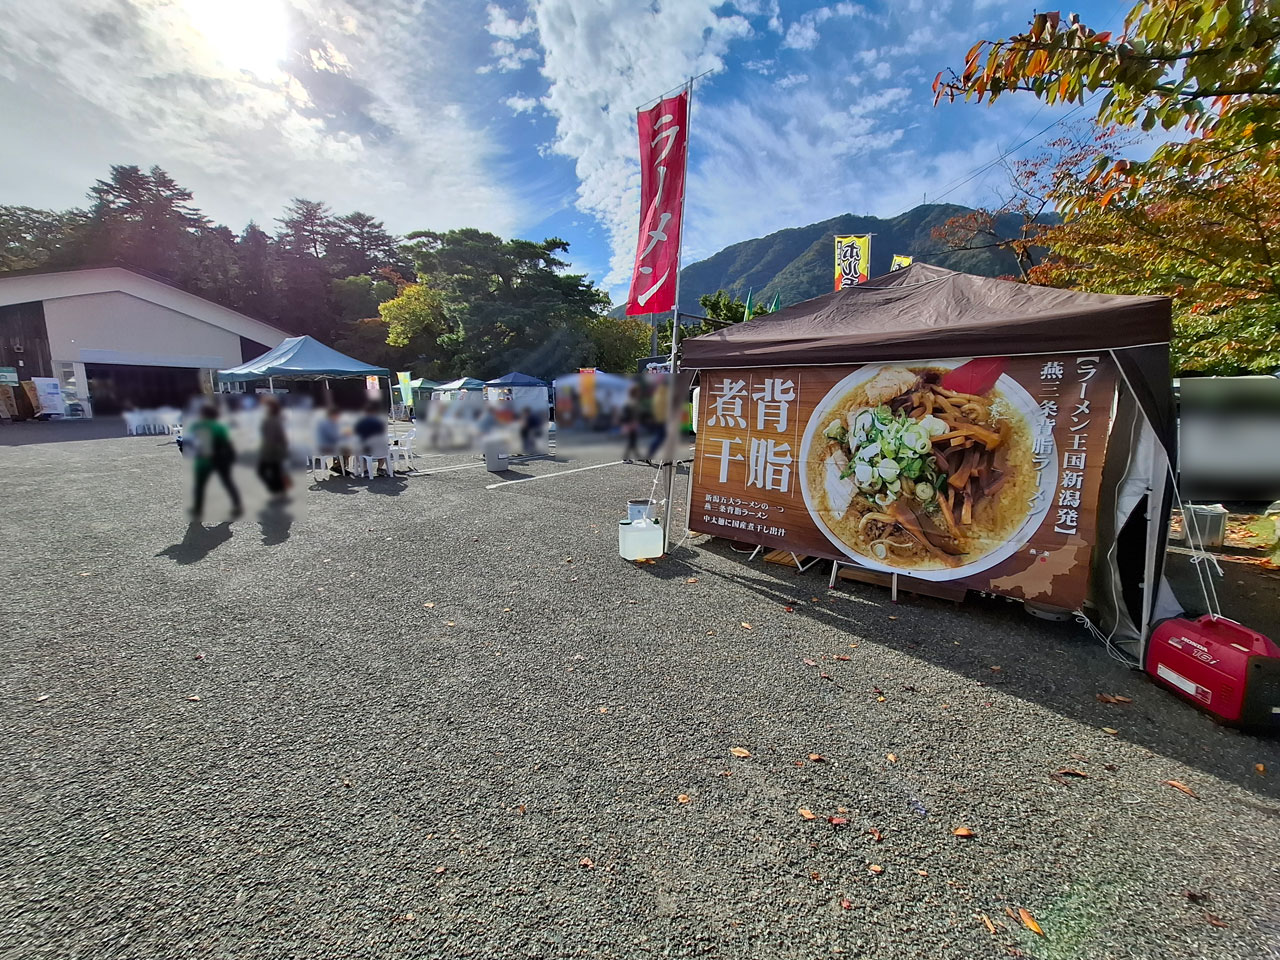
point(602, 58)
point(504, 26)
point(510, 57)
point(238, 112)
point(762, 67)
point(803, 34)
point(520, 104)
point(791, 80)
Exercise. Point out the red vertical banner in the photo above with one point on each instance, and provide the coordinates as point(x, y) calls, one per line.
point(664, 139)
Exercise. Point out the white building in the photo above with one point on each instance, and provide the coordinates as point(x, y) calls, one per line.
point(112, 335)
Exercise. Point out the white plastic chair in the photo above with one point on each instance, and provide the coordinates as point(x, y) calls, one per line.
point(367, 463)
point(401, 448)
point(131, 422)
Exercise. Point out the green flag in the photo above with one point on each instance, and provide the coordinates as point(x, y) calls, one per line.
point(773, 307)
point(746, 309)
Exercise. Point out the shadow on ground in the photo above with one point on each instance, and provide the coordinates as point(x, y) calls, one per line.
point(197, 543)
point(1058, 665)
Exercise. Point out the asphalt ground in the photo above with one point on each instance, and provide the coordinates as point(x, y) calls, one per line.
point(423, 718)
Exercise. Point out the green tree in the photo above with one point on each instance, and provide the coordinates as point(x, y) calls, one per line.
point(358, 298)
point(35, 238)
point(142, 218)
point(506, 304)
point(617, 343)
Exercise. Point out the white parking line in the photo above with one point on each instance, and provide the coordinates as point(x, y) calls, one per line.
point(552, 476)
point(430, 471)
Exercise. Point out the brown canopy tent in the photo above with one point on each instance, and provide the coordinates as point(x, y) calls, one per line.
point(925, 312)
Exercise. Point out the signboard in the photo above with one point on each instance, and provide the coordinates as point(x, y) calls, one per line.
point(371, 385)
point(853, 260)
point(403, 381)
point(8, 376)
point(664, 137)
point(980, 472)
point(46, 397)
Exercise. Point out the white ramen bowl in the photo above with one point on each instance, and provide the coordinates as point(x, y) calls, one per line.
point(1012, 392)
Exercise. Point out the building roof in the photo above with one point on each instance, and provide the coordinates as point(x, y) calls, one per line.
point(40, 284)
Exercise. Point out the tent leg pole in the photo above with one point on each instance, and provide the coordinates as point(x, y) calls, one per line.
point(271, 385)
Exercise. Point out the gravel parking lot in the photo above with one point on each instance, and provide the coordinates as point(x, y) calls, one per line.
point(422, 718)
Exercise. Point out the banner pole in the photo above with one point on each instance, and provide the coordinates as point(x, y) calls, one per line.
point(673, 402)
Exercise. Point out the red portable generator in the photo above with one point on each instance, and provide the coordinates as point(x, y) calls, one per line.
point(1229, 670)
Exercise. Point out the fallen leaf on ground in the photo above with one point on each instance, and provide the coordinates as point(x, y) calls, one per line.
point(1179, 785)
point(876, 868)
point(585, 862)
point(439, 869)
point(893, 618)
point(568, 559)
point(1195, 896)
point(1009, 911)
point(962, 832)
point(841, 656)
point(789, 609)
point(745, 625)
point(1068, 772)
point(193, 697)
point(521, 809)
point(450, 623)
point(44, 696)
point(879, 699)
point(740, 752)
point(819, 758)
point(845, 905)
point(691, 580)
point(1029, 921)
point(892, 757)
point(1119, 699)
point(604, 709)
point(1111, 730)
point(807, 814)
point(683, 798)
point(842, 809)
point(815, 875)
point(506, 609)
point(837, 821)
point(996, 669)
point(1110, 767)
point(923, 873)
point(1260, 767)
point(797, 763)
point(1216, 921)
point(428, 605)
point(1104, 698)
point(875, 834)
point(991, 927)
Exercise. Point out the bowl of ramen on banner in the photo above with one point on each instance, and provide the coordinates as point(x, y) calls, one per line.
point(906, 476)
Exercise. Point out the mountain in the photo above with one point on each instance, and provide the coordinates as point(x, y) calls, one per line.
point(799, 262)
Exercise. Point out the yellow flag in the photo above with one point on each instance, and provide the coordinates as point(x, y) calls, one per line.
point(853, 260)
point(899, 262)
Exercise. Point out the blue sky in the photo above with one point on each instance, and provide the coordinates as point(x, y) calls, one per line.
point(516, 116)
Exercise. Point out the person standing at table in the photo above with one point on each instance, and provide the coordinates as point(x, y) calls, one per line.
point(213, 454)
point(371, 429)
point(274, 451)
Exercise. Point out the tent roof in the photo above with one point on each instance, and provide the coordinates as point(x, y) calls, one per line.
point(422, 383)
point(515, 379)
point(302, 358)
point(924, 312)
point(462, 383)
point(602, 379)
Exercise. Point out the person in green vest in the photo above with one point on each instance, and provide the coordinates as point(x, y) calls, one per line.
point(213, 454)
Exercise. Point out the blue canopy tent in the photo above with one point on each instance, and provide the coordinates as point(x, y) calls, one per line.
point(519, 390)
point(302, 358)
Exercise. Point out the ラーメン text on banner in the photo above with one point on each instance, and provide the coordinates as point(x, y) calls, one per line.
point(664, 137)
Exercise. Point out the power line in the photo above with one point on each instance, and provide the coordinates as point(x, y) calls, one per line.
point(950, 188)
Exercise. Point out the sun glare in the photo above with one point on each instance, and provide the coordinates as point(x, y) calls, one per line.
point(250, 35)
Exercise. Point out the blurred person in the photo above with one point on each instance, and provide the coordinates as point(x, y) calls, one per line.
point(530, 427)
point(659, 418)
point(629, 423)
point(371, 431)
point(274, 450)
point(213, 454)
point(329, 439)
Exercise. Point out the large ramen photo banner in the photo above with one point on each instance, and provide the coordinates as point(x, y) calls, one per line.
point(983, 472)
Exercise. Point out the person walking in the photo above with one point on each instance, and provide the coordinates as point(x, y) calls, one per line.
point(213, 454)
point(273, 454)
